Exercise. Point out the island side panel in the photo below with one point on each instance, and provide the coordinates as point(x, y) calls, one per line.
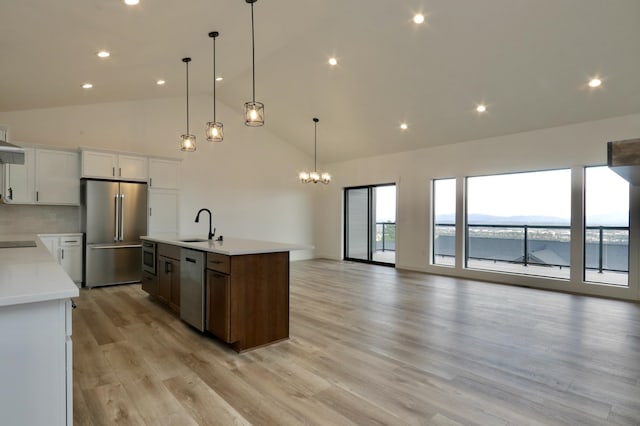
point(259, 299)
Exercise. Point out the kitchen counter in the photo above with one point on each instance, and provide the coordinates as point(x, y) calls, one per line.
point(229, 247)
point(31, 274)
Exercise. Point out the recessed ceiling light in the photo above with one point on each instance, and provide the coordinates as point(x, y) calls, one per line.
point(131, 2)
point(160, 82)
point(219, 78)
point(333, 61)
point(595, 82)
point(87, 86)
point(418, 18)
point(481, 108)
point(404, 126)
point(103, 54)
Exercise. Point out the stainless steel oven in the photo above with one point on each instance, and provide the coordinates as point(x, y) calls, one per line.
point(149, 257)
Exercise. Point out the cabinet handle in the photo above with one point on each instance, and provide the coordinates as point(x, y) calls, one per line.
point(168, 267)
point(150, 181)
point(37, 195)
point(113, 171)
point(10, 193)
point(150, 211)
point(119, 171)
point(216, 262)
point(62, 253)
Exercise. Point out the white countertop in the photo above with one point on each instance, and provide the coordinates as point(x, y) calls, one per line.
point(230, 246)
point(31, 274)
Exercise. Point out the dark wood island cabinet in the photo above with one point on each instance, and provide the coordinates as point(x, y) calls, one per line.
point(246, 288)
point(248, 298)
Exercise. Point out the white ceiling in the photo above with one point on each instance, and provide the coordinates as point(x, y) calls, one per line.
point(528, 60)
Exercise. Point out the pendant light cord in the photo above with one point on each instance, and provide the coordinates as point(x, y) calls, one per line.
point(253, 55)
point(214, 79)
point(187, 62)
point(315, 146)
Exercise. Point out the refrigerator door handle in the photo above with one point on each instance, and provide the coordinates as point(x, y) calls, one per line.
point(124, 246)
point(117, 218)
point(121, 217)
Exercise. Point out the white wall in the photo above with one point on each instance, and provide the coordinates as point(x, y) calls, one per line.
point(560, 147)
point(249, 181)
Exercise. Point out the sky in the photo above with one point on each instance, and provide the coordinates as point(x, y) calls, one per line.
point(546, 193)
point(386, 203)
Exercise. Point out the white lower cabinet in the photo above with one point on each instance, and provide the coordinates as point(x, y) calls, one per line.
point(67, 249)
point(36, 362)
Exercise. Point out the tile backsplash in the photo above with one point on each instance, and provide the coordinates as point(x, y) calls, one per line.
point(38, 219)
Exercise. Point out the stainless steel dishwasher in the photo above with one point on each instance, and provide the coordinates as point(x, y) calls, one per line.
point(192, 287)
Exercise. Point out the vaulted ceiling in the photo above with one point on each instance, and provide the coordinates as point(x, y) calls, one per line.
point(528, 61)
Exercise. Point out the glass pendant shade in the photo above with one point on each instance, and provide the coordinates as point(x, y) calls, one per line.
point(187, 143)
point(254, 114)
point(215, 131)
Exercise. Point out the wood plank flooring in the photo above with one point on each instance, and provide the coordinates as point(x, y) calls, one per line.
point(369, 345)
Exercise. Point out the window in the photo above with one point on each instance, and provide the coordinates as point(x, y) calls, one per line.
point(444, 222)
point(370, 224)
point(606, 234)
point(520, 223)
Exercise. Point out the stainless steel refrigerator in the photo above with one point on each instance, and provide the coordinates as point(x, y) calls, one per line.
point(113, 217)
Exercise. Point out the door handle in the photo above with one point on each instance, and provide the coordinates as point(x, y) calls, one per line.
point(116, 247)
point(117, 218)
point(121, 217)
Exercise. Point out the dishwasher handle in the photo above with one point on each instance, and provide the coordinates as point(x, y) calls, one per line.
point(190, 259)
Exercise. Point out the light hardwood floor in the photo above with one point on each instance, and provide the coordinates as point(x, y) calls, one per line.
point(369, 345)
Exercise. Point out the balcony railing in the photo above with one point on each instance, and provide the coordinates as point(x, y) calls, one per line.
point(385, 236)
point(606, 247)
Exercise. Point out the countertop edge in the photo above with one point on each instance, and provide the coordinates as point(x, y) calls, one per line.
point(235, 249)
point(40, 297)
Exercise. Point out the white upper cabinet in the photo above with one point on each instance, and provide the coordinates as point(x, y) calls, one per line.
point(46, 177)
point(57, 177)
point(132, 167)
point(19, 180)
point(111, 165)
point(99, 164)
point(164, 174)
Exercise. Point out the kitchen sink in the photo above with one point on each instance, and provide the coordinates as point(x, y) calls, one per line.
point(193, 240)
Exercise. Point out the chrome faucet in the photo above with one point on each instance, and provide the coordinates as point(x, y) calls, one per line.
point(211, 234)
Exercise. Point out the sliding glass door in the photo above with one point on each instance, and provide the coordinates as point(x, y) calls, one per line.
point(370, 224)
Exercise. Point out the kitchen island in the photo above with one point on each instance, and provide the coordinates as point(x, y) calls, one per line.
point(238, 291)
point(35, 330)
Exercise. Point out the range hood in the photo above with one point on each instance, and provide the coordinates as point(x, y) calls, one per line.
point(623, 157)
point(10, 153)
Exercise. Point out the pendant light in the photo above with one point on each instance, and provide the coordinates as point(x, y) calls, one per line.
point(253, 111)
point(187, 141)
point(215, 131)
point(314, 176)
